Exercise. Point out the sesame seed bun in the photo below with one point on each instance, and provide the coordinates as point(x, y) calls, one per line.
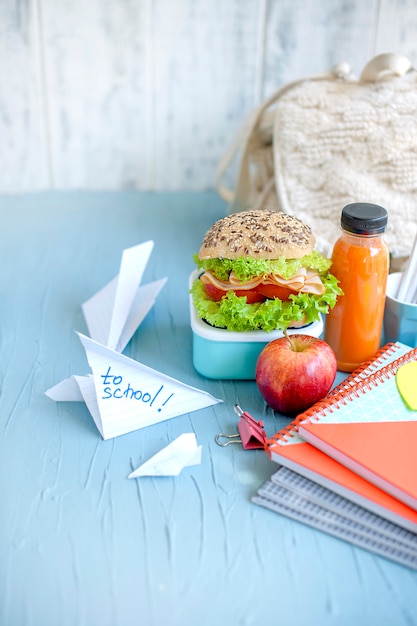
point(260, 234)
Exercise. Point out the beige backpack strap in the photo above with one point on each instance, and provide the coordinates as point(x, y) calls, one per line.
point(231, 153)
point(241, 143)
point(245, 141)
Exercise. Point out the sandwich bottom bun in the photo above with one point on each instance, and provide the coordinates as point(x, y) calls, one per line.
point(299, 324)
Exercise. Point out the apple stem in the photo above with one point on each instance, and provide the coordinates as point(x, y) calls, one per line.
point(288, 338)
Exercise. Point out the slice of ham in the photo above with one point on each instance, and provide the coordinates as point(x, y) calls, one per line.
point(313, 284)
point(304, 281)
point(208, 277)
point(295, 283)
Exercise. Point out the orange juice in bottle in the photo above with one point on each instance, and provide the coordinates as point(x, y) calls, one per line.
point(360, 261)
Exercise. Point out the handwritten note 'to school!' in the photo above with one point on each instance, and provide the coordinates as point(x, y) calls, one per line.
point(123, 395)
point(116, 388)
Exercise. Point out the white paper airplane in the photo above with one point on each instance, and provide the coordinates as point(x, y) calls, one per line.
point(123, 395)
point(171, 460)
point(115, 312)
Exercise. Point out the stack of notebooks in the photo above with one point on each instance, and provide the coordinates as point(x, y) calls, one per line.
point(348, 465)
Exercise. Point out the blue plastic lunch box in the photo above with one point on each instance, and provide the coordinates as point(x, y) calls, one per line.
point(222, 354)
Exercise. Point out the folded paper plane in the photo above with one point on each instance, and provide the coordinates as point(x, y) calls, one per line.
point(115, 312)
point(123, 395)
point(171, 460)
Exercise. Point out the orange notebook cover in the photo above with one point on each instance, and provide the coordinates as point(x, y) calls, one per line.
point(371, 430)
point(288, 449)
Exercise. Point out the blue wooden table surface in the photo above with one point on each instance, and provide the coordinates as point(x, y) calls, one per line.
point(80, 544)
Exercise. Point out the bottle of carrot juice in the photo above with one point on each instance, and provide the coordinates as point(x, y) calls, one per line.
point(360, 261)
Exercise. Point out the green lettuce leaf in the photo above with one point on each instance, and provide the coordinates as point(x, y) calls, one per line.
point(233, 313)
point(246, 268)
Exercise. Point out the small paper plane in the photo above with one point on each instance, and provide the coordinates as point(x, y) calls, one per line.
point(171, 460)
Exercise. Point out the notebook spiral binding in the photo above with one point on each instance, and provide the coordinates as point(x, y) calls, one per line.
point(352, 386)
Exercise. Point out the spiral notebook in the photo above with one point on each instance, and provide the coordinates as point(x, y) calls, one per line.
point(305, 489)
point(287, 449)
point(370, 429)
point(377, 536)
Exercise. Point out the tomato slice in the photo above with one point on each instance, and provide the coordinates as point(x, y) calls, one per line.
point(252, 295)
point(213, 292)
point(258, 294)
point(274, 291)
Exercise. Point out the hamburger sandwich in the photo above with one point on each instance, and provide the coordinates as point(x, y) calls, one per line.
point(259, 271)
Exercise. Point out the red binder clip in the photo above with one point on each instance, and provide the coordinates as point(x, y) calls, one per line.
point(251, 432)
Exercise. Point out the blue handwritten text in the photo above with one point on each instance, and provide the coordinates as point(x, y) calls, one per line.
point(113, 387)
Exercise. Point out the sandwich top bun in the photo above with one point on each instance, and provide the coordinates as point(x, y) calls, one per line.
point(260, 234)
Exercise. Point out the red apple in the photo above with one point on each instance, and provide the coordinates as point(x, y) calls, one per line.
point(295, 371)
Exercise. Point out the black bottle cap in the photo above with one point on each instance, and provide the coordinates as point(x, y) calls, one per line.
point(363, 218)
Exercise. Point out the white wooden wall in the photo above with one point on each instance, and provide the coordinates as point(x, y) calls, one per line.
point(147, 94)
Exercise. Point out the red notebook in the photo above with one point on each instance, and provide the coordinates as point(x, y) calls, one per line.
point(289, 450)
